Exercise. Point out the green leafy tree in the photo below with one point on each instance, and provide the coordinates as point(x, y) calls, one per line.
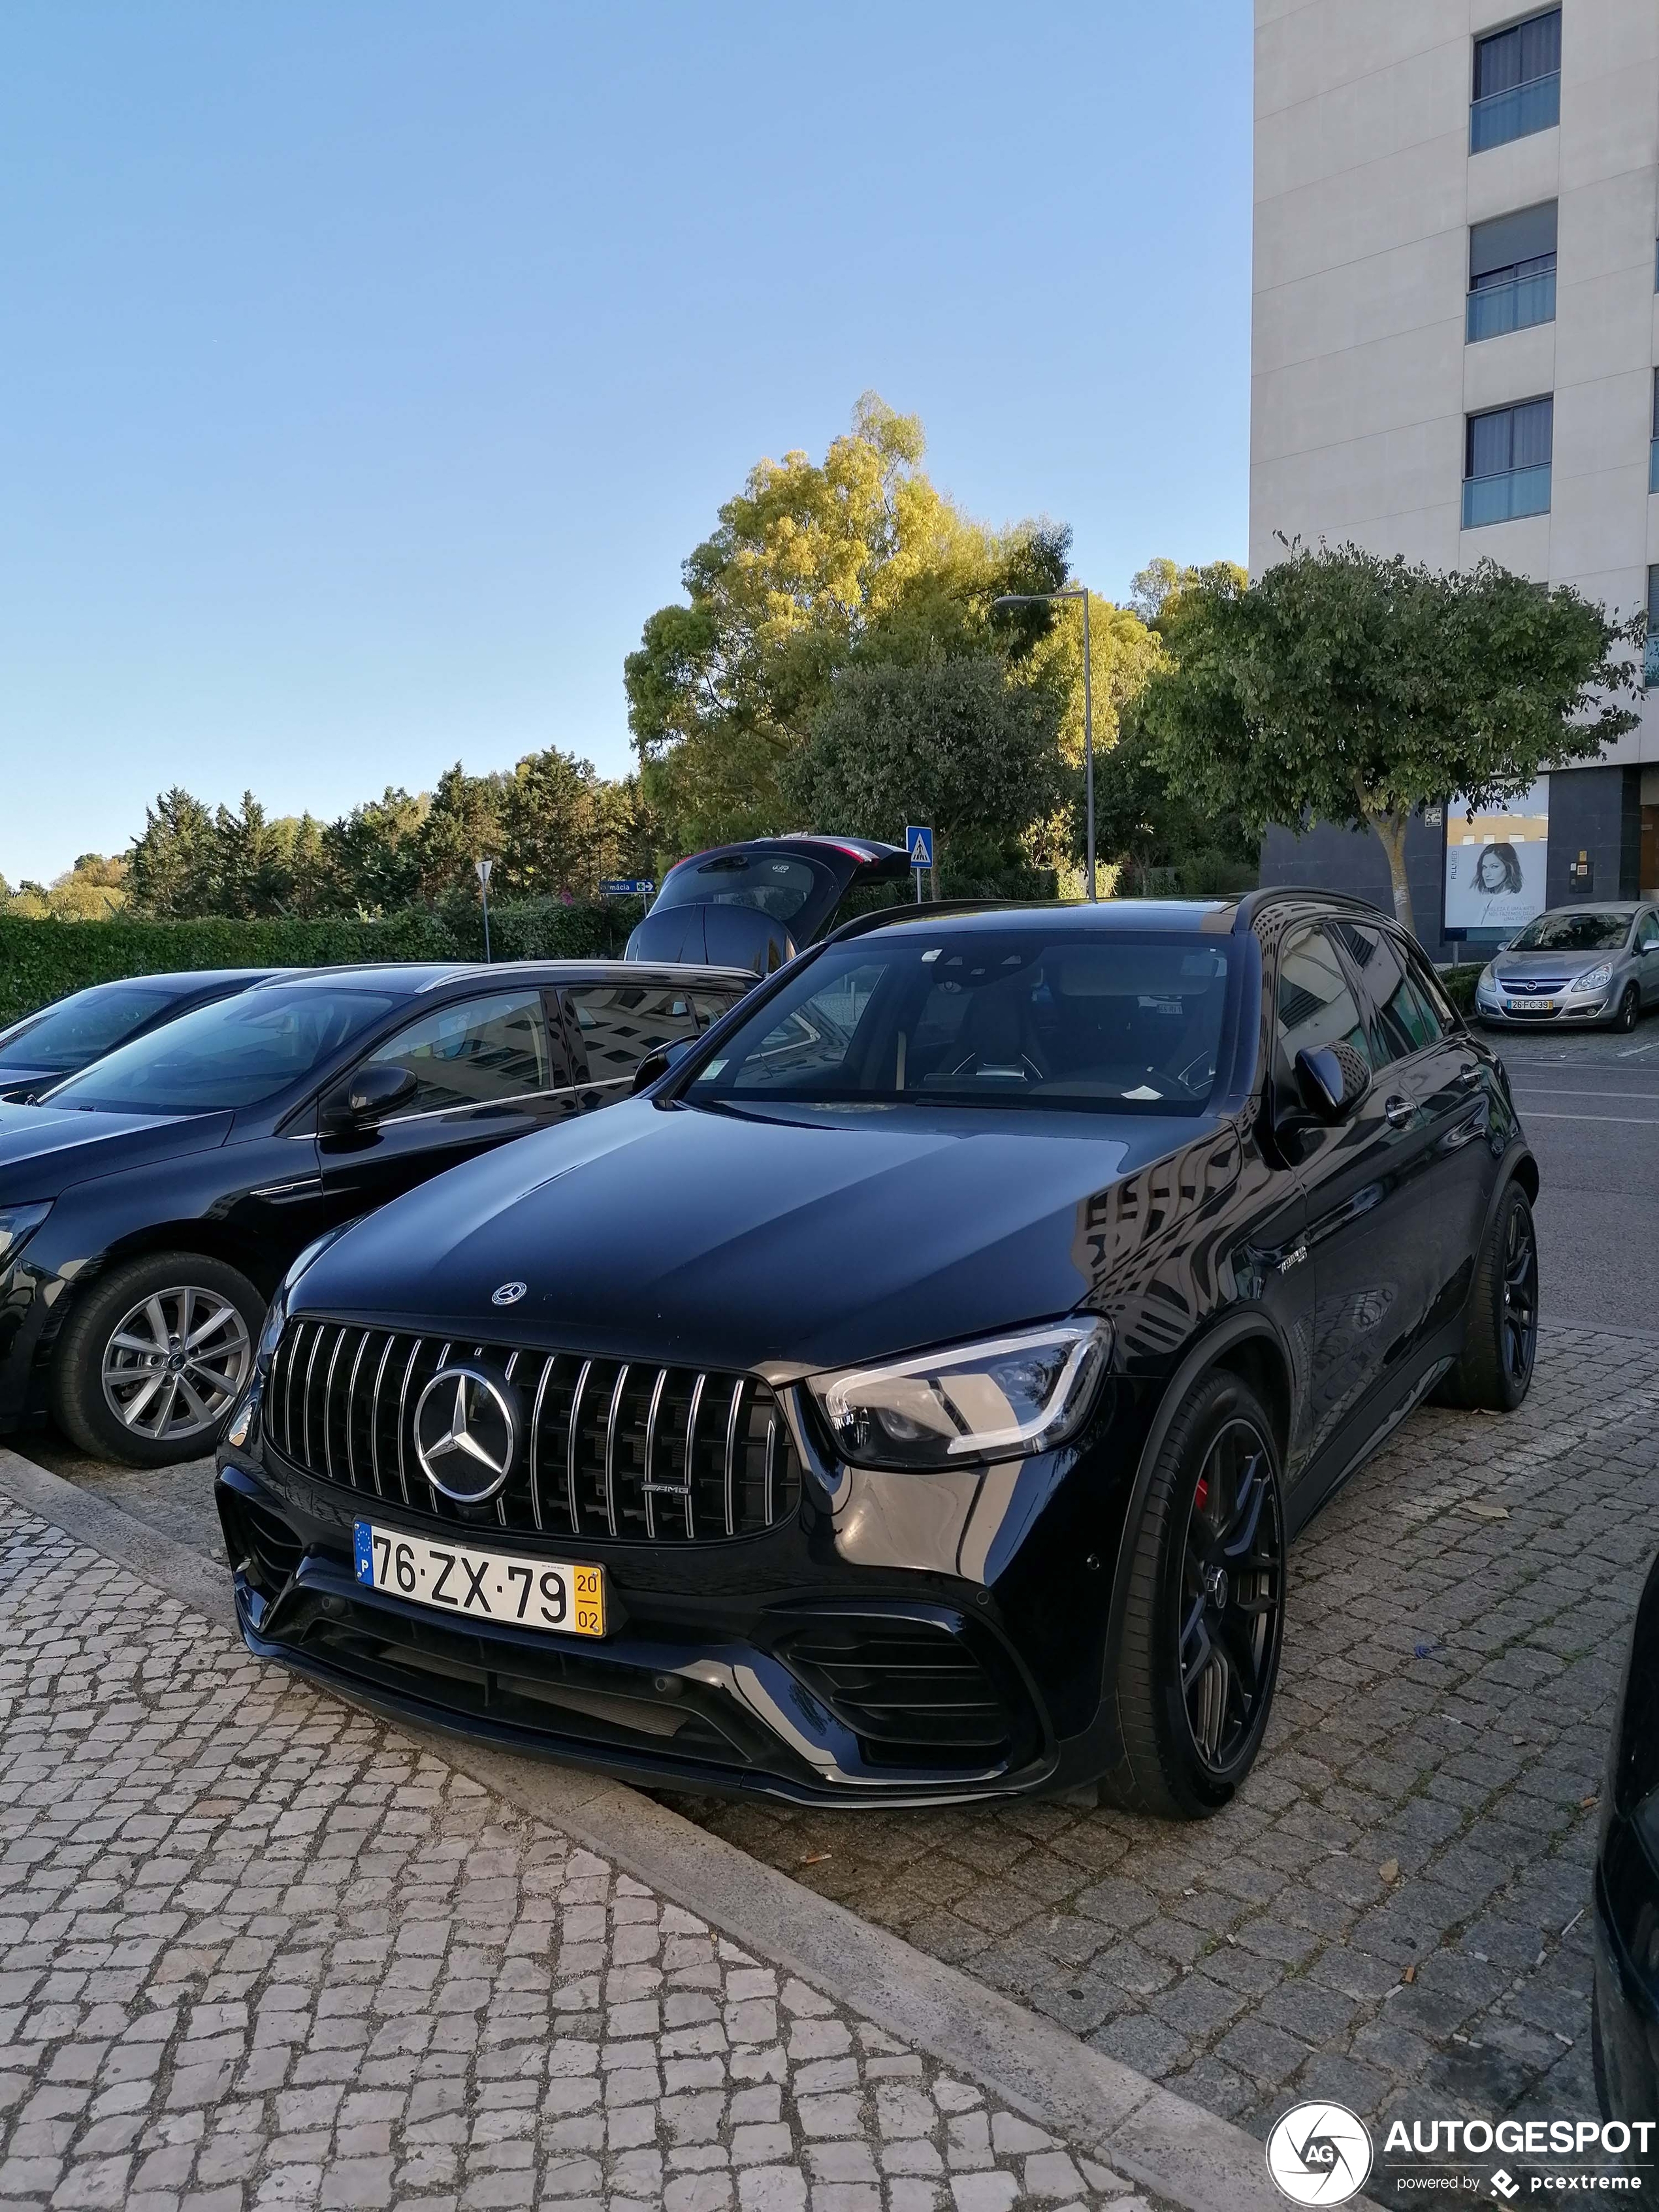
point(463, 824)
point(961, 744)
point(1349, 688)
point(174, 865)
point(371, 858)
point(549, 827)
point(812, 567)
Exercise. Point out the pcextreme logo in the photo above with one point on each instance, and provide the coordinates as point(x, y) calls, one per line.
point(1319, 2153)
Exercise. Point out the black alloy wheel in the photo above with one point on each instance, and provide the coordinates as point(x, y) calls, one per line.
point(1493, 1372)
point(1519, 1323)
point(1233, 1595)
point(1198, 1641)
point(1629, 1010)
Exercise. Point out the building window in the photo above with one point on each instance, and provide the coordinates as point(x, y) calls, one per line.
point(1506, 463)
point(1650, 672)
point(1512, 272)
point(1517, 82)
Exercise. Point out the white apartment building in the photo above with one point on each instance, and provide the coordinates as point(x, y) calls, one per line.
point(1455, 335)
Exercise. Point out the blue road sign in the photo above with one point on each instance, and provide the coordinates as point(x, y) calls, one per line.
point(626, 887)
point(919, 844)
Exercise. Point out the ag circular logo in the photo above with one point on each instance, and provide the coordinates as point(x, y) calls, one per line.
point(466, 1430)
point(1320, 2155)
point(507, 1294)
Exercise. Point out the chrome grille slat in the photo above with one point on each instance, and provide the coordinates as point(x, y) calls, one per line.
point(692, 1458)
point(351, 1401)
point(648, 1492)
point(403, 1424)
point(732, 1451)
point(629, 1452)
point(374, 1416)
point(536, 1436)
point(610, 1449)
point(305, 1395)
point(574, 1446)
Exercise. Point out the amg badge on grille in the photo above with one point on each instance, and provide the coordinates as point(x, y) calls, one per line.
point(466, 1430)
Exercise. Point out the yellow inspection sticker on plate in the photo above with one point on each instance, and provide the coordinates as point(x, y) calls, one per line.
point(564, 1600)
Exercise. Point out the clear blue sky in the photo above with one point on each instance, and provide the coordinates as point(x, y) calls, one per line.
point(369, 367)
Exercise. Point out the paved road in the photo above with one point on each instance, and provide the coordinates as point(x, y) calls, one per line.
point(257, 1950)
point(1590, 1104)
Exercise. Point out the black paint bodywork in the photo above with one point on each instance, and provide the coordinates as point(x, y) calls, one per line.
point(253, 1187)
point(701, 926)
point(1331, 1266)
point(1627, 1884)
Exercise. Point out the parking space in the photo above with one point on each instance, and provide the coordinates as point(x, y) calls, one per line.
point(1394, 1904)
point(1394, 1909)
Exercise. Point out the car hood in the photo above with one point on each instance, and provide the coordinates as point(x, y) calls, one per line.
point(45, 1149)
point(1518, 967)
point(716, 1239)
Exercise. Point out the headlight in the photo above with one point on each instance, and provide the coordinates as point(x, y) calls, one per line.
point(1597, 979)
point(1019, 1393)
point(1486, 983)
point(17, 1225)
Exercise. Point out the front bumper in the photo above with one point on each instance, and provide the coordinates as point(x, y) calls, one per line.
point(761, 1666)
point(1566, 1013)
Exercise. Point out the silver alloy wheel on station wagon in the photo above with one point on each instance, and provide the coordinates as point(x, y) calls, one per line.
point(175, 1362)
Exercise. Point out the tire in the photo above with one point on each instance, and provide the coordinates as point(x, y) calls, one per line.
point(1630, 1011)
point(1185, 1755)
point(131, 1329)
point(1493, 1372)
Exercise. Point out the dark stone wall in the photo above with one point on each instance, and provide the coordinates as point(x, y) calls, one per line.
point(1353, 860)
point(1594, 811)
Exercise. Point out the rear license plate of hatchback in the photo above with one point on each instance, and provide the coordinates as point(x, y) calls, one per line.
point(1532, 1005)
point(558, 1598)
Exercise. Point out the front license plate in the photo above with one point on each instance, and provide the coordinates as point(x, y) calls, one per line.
point(1532, 1005)
point(562, 1600)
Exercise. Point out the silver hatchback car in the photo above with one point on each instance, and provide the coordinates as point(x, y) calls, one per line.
point(1575, 964)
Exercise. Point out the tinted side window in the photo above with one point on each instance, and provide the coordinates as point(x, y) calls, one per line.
point(474, 1053)
point(710, 1005)
point(1314, 1003)
point(1405, 1021)
point(1647, 933)
point(620, 1022)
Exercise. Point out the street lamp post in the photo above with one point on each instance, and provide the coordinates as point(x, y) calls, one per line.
point(1037, 599)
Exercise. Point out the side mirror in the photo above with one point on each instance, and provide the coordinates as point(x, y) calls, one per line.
point(370, 1095)
point(1333, 1078)
point(657, 1064)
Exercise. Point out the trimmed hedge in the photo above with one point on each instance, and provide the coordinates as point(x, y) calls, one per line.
point(1459, 983)
point(40, 961)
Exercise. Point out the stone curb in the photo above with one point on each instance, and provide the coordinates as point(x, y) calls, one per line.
point(1159, 2141)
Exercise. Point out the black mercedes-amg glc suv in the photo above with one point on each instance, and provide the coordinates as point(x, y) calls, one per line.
point(911, 1393)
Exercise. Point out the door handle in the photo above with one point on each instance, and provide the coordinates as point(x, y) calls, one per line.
point(1397, 1111)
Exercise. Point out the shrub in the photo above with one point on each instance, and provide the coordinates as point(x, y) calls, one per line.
point(40, 961)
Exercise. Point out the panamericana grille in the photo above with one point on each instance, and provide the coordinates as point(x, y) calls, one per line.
point(608, 1448)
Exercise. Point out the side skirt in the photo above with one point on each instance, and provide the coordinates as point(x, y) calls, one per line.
point(1347, 1452)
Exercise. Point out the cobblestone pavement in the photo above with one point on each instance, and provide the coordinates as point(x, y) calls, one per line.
point(259, 1949)
point(1392, 1913)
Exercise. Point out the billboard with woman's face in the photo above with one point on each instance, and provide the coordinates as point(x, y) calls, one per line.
point(1495, 861)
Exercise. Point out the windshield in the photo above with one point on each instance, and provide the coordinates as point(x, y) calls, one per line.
point(1576, 932)
point(239, 1052)
point(775, 882)
point(77, 1029)
point(1063, 1019)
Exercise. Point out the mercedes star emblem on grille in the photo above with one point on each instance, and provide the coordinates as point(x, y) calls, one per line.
point(508, 1294)
point(466, 1430)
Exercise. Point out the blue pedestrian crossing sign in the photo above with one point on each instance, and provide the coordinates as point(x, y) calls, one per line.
point(919, 844)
